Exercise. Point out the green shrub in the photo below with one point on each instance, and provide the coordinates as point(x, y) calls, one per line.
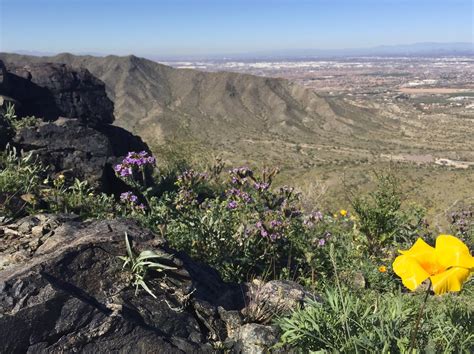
point(78, 198)
point(16, 123)
point(347, 321)
point(381, 219)
point(20, 176)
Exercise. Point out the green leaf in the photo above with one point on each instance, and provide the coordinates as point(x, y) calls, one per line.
point(146, 288)
point(129, 249)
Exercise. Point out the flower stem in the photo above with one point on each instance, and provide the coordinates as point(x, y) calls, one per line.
point(418, 320)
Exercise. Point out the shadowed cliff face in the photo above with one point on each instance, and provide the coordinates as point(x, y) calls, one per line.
point(50, 90)
point(72, 134)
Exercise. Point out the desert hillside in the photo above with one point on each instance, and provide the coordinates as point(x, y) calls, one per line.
point(327, 142)
point(158, 101)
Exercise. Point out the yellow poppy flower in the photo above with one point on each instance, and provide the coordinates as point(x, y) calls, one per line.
point(382, 269)
point(343, 212)
point(448, 265)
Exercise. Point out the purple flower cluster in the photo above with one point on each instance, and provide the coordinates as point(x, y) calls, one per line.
point(462, 221)
point(128, 197)
point(232, 204)
point(240, 175)
point(276, 224)
point(131, 199)
point(123, 170)
point(271, 230)
point(261, 186)
point(241, 195)
point(312, 219)
point(322, 241)
point(138, 159)
point(190, 177)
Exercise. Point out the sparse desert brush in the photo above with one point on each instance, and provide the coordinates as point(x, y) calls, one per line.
point(20, 177)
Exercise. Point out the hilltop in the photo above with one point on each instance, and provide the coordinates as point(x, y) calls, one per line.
point(157, 101)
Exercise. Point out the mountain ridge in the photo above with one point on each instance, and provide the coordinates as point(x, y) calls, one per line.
point(157, 101)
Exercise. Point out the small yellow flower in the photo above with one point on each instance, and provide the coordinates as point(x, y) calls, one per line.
point(448, 265)
point(382, 269)
point(343, 212)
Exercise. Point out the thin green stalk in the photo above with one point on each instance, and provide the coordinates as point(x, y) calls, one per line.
point(418, 320)
point(346, 323)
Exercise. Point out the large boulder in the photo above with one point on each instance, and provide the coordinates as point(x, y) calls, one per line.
point(48, 91)
point(63, 289)
point(70, 147)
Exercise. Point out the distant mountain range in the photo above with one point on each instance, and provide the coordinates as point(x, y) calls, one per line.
point(417, 49)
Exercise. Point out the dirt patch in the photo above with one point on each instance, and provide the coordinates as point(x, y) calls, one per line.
point(434, 90)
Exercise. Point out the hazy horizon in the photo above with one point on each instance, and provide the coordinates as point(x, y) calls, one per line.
point(186, 28)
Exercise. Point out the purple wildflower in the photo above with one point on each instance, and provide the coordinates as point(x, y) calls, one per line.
point(128, 197)
point(232, 204)
point(126, 171)
point(275, 223)
point(261, 186)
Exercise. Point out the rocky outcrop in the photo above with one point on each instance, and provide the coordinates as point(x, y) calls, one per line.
point(254, 338)
point(276, 297)
point(48, 91)
point(76, 139)
point(63, 289)
point(70, 147)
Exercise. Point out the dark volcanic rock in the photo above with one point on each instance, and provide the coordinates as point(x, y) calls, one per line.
point(69, 292)
point(6, 132)
point(48, 90)
point(3, 76)
point(122, 141)
point(68, 146)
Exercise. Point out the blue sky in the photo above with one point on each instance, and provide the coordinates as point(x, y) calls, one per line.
point(203, 27)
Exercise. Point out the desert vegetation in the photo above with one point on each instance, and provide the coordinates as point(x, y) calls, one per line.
point(247, 226)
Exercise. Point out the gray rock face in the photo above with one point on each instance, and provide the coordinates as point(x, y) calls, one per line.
point(276, 297)
point(48, 91)
point(68, 146)
point(68, 292)
point(255, 338)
